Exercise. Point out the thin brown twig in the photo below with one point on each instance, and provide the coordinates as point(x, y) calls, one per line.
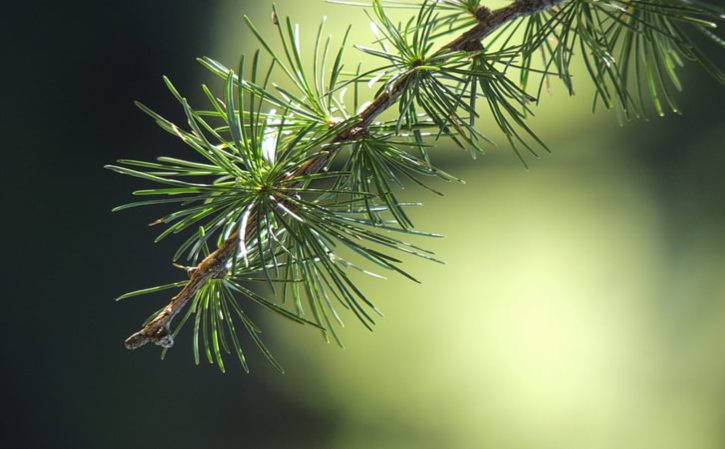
point(214, 265)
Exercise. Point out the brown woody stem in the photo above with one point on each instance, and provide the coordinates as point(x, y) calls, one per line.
point(214, 265)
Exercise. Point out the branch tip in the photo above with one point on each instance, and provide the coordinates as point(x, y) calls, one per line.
point(161, 337)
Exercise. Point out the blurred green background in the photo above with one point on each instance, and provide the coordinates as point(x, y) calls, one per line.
point(582, 304)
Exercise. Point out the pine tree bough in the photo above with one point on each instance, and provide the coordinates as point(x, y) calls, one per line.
point(270, 217)
point(158, 329)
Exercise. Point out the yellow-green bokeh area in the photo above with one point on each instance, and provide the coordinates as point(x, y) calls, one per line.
point(550, 326)
point(581, 304)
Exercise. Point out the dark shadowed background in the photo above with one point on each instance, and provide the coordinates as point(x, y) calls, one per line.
point(583, 304)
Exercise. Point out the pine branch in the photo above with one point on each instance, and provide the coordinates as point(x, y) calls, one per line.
point(278, 213)
point(214, 266)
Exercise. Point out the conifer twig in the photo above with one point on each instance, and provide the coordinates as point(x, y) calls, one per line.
point(157, 330)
